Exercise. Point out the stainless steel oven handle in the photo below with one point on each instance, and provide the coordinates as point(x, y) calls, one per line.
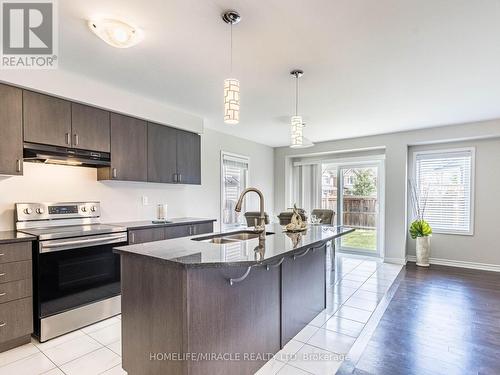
point(59, 245)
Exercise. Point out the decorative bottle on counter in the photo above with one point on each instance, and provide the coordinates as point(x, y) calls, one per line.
point(161, 212)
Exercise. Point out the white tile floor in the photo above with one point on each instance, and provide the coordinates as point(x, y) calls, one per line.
point(321, 346)
point(90, 351)
point(317, 349)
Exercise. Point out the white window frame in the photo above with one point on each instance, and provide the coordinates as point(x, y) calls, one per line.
point(221, 178)
point(472, 150)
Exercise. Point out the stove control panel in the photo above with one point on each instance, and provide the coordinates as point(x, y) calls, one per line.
point(62, 210)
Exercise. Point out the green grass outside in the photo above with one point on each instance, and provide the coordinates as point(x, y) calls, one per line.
point(365, 239)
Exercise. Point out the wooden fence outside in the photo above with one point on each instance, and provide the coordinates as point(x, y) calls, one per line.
point(359, 212)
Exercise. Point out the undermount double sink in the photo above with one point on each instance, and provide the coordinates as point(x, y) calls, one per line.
point(231, 237)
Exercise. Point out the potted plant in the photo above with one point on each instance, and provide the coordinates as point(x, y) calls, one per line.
point(419, 228)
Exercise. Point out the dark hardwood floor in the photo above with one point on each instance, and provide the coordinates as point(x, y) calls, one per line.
point(441, 320)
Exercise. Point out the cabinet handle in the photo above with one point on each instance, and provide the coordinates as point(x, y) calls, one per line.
point(175, 177)
point(194, 229)
point(68, 139)
point(301, 255)
point(180, 178)
point(2, 254)
point(2, 274)
point(76, 139)
point(268, 266)
point(113, 173)
point(241, 278)
point(3, 294)
point(18, 165)
point(3, 324)
point(132, 237)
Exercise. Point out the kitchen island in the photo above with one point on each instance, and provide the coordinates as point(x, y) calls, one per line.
point(220, 303)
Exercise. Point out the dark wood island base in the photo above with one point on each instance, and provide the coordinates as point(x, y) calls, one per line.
point(183, 318)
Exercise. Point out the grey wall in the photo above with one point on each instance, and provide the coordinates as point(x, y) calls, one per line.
point(482, 246)
point(396, 150)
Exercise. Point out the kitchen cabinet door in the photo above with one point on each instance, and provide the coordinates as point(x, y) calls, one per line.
point(177, 231)
point(303, 290)
point(146, 235)
point(202, 228)
point(17, 321)
point(11, 130)
point(90, 128)
point(128, 150)
point(47, 120)
point(162, 153)
point(188, 158)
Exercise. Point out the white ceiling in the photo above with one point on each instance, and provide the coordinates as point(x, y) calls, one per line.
point(370, 66)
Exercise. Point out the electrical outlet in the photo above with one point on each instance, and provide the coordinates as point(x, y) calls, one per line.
point(145, 200)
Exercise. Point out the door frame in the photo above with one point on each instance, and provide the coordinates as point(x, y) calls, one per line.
point(380, 228)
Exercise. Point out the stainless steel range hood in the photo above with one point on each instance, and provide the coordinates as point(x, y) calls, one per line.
point(65, 156)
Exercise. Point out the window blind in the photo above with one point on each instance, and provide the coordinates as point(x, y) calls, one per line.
point(234, 181)
point(444, 181)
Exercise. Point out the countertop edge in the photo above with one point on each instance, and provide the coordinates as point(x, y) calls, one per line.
point(25, 238)
point(172, 262)
point(135, 225)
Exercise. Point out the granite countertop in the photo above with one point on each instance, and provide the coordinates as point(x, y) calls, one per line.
point(145, 224)
point(189, 253)
point(10, 236)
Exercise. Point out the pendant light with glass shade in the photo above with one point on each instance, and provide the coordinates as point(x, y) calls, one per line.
point(231, 85)
point(297, 139)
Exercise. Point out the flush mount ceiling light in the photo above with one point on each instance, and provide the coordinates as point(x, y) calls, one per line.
point(231, 85)
point(116, 33)
point(297, 139)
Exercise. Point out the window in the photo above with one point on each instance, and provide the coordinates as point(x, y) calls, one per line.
point(234, 175)
point(445, 182)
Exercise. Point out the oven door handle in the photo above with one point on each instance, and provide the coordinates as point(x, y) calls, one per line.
point(59, 245)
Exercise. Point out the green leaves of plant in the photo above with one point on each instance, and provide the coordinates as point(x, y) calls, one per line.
point(420, 228)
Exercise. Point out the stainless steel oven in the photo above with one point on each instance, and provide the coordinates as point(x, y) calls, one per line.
point(76, 275)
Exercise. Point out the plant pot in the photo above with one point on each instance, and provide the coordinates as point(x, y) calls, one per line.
point(423, 251)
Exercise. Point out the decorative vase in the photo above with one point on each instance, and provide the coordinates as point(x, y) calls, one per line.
point(423, 251)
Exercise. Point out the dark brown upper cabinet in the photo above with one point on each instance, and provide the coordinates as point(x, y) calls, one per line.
point(90, 128)
point(47, 120)
point(174, 155)
point(11, 130)
point(128, 150)
point(162, 153)
point(140, 151)
point(188, 158)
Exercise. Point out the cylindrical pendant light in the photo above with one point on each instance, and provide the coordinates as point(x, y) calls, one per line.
point(297, 124)
point(231, 85)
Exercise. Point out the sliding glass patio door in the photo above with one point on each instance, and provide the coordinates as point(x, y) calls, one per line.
point(358, 207)
point(353, 188)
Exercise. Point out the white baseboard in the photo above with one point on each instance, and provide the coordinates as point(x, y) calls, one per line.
point(459, 263)
point(401, 261)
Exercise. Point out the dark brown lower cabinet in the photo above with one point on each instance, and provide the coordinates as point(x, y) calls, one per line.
point(16, 307)
point(202, 228)
point(177, 231)
point(303, 290)
point(137, 236)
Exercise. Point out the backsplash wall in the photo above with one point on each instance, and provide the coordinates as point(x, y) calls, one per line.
point(122, 201)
